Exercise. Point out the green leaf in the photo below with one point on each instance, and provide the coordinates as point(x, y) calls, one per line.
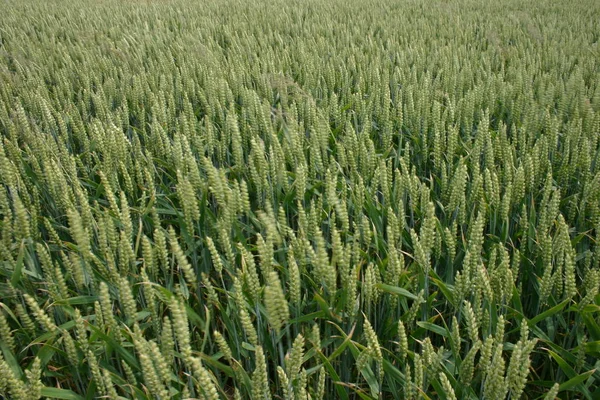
point(366, 372)
point(248, 346)
point(593, 348)
point(433, 328)
point(324, 304)
point(360, 392)
point(548, 313)
point(592, 326)
point(445, 288)
point(18, 271)
point(564, 366)
point(127, 356)
point(343, 346)
point(396, 290)
point(57, 393)
point(576, 380)
point(10, 359)
point(308, 317)
point(78, 300)
point(333, 375)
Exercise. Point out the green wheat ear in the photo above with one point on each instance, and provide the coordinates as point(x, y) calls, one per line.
point(275, 302)
point(332, 199)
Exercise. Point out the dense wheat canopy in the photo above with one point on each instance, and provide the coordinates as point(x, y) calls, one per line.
point(394, 199)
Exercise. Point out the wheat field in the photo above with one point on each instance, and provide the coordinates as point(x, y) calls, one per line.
point(358, 199)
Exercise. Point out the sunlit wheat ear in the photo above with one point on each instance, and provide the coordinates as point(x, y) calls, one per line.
point(467, 367)
point(92, 362)
point(592, 287)
point(244, 317)
point(320, 393)
point(260, 383)
point(294, 358)
point(212, 295)
point(294, 279)
point(79, 233)
point(9, 384)
point(448, 389)
point(223, 346)
point(390, 194)
point(111, 392)
point(182, 261)
point(275, 302)
point(287, 390)
point(216, 258)
point(126, 299)
point(150, 373)
point(374, 347)
point(495, 386)
point(301, 385)
point(471, 321)
point(181, 327)
point(553, 392)
point(21, 217)
point(5, 332)
point(148, 256)
point(249, 272)
point(188, 200)
point(40, 315)
point(402, 341)
point(70, 348)
point(161, 365)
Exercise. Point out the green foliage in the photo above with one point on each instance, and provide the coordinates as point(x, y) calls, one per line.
point(299, 199)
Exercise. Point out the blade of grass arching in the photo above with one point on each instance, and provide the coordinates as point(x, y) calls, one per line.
point(206, 329)
point(11, 360)
point(92, 391)
point(433, 328)
point(592, 325)
point(10, 313)
point(308, 317)
point(335, 378)
point(391, 371)
point(565, 354)
point(49, 335)
point(590, 308)
point(396, 290)
point(548, 313)
point(164, 294)
point(366, 372)
point(516, 300)
point(423, 395)
point(46, 353)
point(576, 383)
point(564, 366)
point(324, 304)
point(230, 328)
point(58, 393)
point(359, 391)
point(77, 300)
point(127, 356)
point(575, 380)
point(593, 348)
point(194, 318)
point(445, 288)
point(137, 392)
point(247, 381)
point(226, 369)
point(344, 344)
point(439, 390)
